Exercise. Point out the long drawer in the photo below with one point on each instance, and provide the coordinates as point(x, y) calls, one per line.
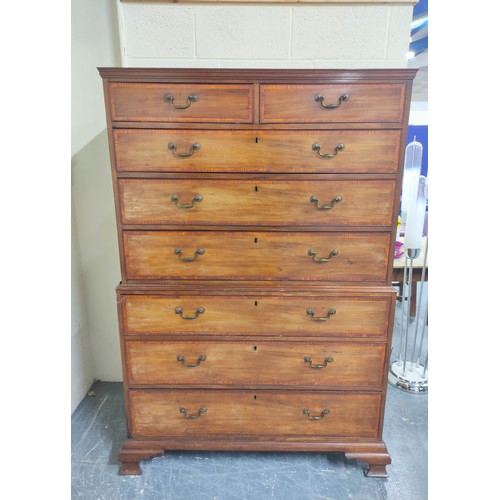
point(256, 255)
point(318, 315)
point(232, 202)
point(173, 102)
point(207, 413)
point(320, 151)
point(262, 362)
point(341, 103)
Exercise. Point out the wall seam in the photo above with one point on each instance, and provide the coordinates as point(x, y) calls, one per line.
point(387, 29)
point(121, 34)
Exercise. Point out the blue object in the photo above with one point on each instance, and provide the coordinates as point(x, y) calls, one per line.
point(420, 133)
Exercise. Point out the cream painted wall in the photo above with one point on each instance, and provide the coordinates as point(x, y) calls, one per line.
point(188, 35)
point(372, 35)
point(94, 269)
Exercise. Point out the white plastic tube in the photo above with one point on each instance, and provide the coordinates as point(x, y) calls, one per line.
point(412, 168)
point(416, 213)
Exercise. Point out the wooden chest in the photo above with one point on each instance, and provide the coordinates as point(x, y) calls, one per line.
point(256, 216)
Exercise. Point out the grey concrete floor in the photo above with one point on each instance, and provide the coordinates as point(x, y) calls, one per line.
point(99, 429)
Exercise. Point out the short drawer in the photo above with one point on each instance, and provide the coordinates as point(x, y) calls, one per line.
point(315, 151)
point(357, 256)
point(336, 103)
point(325, 315)
point(260, 413)
point(158, 102)
point(335, 365)
point(243, 202)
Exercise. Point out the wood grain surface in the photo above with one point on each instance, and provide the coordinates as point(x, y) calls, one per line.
point(256, 255)
point(355, 315)
point(365, 151)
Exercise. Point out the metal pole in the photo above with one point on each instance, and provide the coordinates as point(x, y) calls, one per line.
point(423, 332)
point(408, 314)
point(422, 281)
point(403, 295)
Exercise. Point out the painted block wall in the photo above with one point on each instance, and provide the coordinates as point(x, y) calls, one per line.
point(265, 36)
point(94, 269)
point(167, 34)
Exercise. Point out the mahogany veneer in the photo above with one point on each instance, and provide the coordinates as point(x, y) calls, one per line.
point(256, 213)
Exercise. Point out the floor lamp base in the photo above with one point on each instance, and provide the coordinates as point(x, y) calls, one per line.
point(414, 379)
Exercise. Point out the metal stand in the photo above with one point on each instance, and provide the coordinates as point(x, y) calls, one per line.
point(410, 375)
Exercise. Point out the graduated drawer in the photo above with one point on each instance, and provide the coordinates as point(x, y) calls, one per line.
point(256, 255)
point(323, 316)
point(256, 363)
point(159, 102)
point(246, 202)
point(355, 151)
point(341, 103)
point(203, 413)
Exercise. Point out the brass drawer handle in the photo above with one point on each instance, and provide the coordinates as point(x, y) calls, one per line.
point(313, 253)
point(191, 365)
point(178, 251)
point(170, 99)
point(314, 199)
point(331, 312)
point(192, 417)
point(308, 359)
point(342, 98)
point(317, 147)
point(306, 412)
point(195, 200)
point(194, 147)
point(199, 311)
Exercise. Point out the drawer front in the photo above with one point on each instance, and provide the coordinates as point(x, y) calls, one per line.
point(260, 256)
point(352, 316)
point(247, 413)
point(256, 363)
point(218, 103)
point(226, 202)
point(340, 151)
point(303, 104)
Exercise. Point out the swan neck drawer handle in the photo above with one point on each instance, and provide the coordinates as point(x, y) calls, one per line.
point(307, 413)
point(312, 253)
point(314, 199)
point(342, 98)
point(194, 147)
point(178, 251)
point(199, 311)
point(196, 199)
point(201, 411)
point(191, 365)
point(317, 147)
point(170, 99)
point(331, 312)
point(308, 359)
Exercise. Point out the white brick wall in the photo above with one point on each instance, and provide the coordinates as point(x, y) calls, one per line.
point(164, 34)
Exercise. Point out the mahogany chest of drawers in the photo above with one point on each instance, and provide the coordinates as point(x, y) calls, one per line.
point(256, 213)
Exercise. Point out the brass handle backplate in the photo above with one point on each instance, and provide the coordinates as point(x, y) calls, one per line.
point(308, 359)
point(331, 312)
point(342, 98)
point(317, 147)
point(170, 99)
point(194, 147)
point(195, 200)
point(307, 413)
point(178, 251)
point(312, 253)
point(201, 358)
point(192, 417)
point(199, 311)
point(314, 199)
